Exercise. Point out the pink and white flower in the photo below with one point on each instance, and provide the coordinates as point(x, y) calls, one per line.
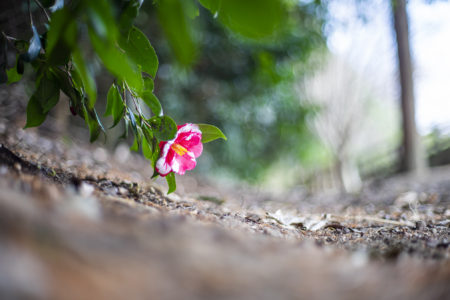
point(178, 155)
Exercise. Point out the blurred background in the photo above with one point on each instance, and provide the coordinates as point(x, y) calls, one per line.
point(309, 93)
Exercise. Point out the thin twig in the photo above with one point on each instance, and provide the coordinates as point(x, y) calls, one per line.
point(43, 8)
point(10, 40)
point(8, 37)
point(373, 219)
point(29, 12)
point(138, 110)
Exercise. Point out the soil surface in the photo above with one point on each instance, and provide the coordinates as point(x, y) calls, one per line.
point(79, 222)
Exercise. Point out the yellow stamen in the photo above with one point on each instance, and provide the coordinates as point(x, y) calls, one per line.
point(180, 150)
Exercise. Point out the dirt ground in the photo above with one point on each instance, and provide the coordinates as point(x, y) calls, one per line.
point(78, 222)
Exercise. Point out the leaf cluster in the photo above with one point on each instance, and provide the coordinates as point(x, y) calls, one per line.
point(59, 64)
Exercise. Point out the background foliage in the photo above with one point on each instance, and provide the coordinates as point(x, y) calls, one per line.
point(242, 81)
point(230, 63)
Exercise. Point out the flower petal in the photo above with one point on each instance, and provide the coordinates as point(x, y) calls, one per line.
point(188, 127)
point(163, 164)
point(189, 138)
point(180, 164)
point(192, 142)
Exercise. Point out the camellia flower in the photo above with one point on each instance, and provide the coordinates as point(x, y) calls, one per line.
point(179, 154)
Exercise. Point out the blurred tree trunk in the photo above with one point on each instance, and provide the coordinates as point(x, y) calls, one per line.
point(413, 159)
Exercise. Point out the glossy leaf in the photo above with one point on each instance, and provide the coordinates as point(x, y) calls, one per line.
point(126, 126)
point(171, 182)
point(98, 120)
point(135, 146)
point(47, 92)
point(35, 113)
point(164, 128)
point(252, 19)
point(148, 134)
point(114, 105)
point(76, 79)
point(139, 49)
point(146, 149)
point(210, 133)
point(60, 53)
point(133, 123)
point(101, 19)
point(86, 77)
point(58, 23)
point(116, 61)
point(91, 119)
point(66, 85)
point(128, 14)
point(21, 45)
point(152, 102)
point(156, 151)
point(13, 76)
point(148, 84)
point(176, 25)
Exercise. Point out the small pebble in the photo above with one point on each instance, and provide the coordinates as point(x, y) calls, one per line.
point(122, 191)
point(420, 225)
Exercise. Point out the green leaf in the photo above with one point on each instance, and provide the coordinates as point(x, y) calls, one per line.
point(155, 173)
point(126, 126)
point(61, 37)
point(138, 140)
point(171, 182)
point(58, 24)
point(66, 43)
point(98, 120)
point(128, 14)
point(93, 122)
point(147, 142)
point(47, 92)
point(114, 106)
point(156, 151)
point(135, 146)
point(35, 113)
point(152, 102)
point(101, 20)
point(21, 45)
point(139, 49)
point(117, 62)
point(252, 19)
point(148, 134)
point(76, 79)
point(13, 76)
point(134, 126)
point(66, 85)
point(149, 85)
point(210, 133)
point(164, 127)
point(86, 77)
point(177, 26)
point(146, 149)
